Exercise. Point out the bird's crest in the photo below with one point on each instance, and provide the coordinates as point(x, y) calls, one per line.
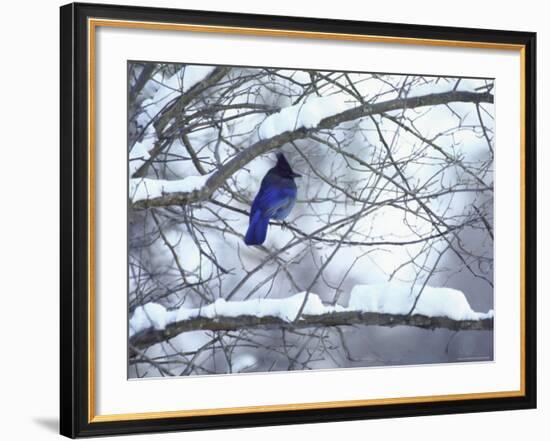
point(282, 163)
point(282, 168)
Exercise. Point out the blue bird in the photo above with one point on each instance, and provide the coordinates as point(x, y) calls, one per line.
point(274, 200)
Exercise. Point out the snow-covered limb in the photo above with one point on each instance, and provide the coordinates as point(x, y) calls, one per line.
point(384, 304)
point(281, 131)
point(305, 114)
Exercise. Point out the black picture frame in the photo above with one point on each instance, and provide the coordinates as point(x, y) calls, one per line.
point(76, 418)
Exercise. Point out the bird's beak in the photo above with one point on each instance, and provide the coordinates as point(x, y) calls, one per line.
point(296, 175)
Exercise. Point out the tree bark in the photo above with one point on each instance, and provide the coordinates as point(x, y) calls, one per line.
point(151, 336)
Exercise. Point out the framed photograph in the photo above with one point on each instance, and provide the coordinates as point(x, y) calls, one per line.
point(272, 220)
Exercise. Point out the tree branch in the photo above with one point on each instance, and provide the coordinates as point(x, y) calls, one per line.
point(151, 336)
point(220, 176)
point(213, 78)
point(176, 109)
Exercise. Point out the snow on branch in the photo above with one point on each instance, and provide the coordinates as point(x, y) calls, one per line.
point(387, 304)
point(305, 114)
point(279, 129)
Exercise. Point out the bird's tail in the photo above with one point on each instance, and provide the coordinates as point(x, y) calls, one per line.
point(257, 229)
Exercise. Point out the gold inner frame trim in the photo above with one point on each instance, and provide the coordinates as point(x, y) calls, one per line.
point(260, 32)
point(298, 406)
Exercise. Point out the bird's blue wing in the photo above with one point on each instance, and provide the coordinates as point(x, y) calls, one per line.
point(274, 201)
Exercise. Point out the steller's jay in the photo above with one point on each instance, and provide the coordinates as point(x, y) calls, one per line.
point(275, 200)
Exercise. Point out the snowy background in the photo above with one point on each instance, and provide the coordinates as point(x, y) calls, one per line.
point(394, 216)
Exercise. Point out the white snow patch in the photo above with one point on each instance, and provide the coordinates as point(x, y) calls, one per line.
point(149, 91)
point(306, 114)
point(140, 150)
point(195, 74)
point(151, 315)
point(139, 155)
point(145, 188)
point(398, 298)
point(286, 308)
point(243, 362)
